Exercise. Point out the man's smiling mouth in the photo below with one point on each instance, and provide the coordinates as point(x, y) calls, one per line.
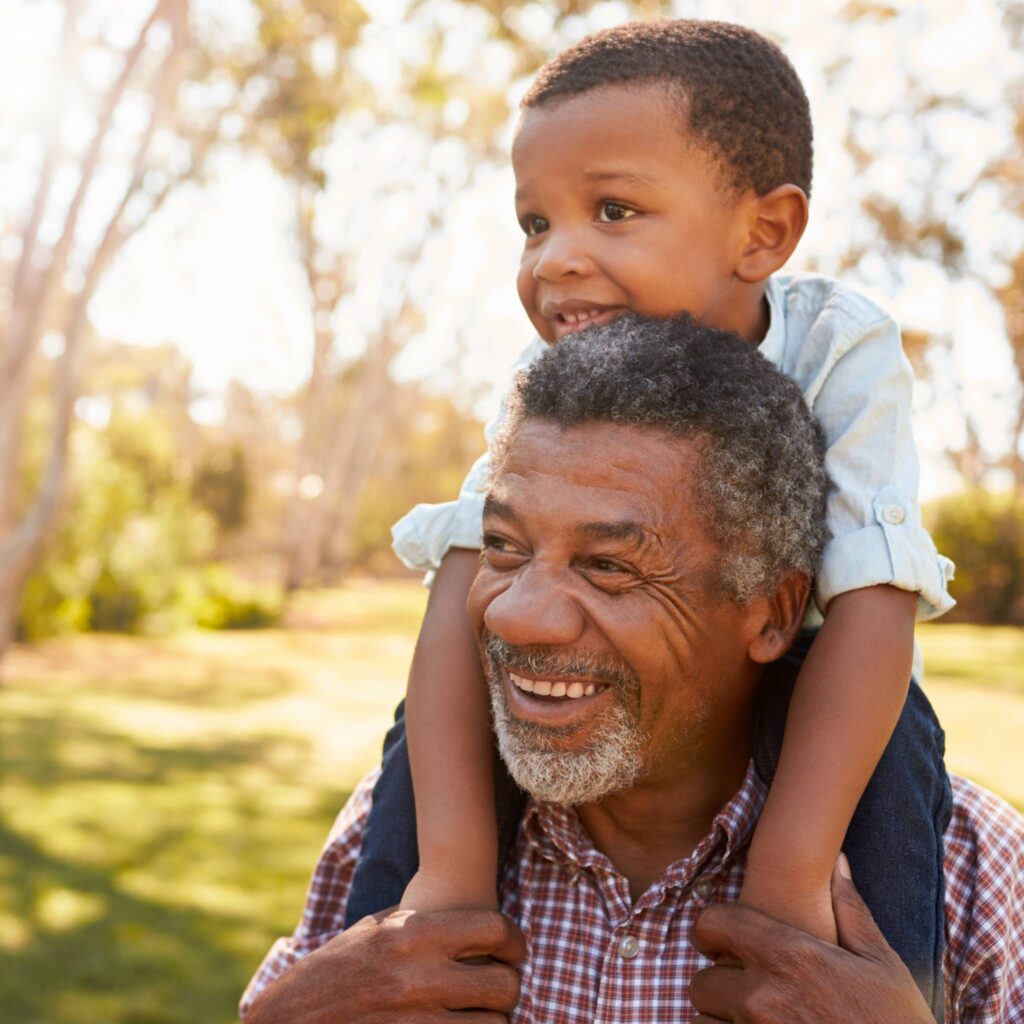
point(557, 688)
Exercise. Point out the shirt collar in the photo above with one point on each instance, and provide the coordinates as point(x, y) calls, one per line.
point(558, 835)
point(774, 345)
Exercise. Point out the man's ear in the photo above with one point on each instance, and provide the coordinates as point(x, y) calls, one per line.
point(783, 615)
point(776, 221)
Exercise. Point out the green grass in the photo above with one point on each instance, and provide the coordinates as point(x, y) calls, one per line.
point(164, 800)
point(991, 656)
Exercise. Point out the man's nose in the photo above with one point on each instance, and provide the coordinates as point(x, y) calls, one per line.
point(537, 608)
point(563, 254)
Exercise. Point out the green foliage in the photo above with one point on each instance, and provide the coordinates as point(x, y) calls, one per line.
point(223, 602)
point(222, 486)
point(984, 534)
point(128, 555)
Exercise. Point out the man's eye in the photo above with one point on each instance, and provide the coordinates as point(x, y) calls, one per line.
point(611, 212)
point(533, 225)
point(606, 565)
point(499, 549)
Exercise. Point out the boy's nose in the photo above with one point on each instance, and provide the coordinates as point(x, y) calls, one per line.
point(562, 254)
point(536, 608)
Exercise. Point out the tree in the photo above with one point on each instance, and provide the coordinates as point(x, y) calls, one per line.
point(51, 283)
point(962, 158)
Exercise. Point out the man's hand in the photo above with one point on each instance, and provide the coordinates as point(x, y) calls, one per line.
point(403, 966)
point(777, 973)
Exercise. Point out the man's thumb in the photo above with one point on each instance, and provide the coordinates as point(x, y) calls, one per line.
point(857, 930)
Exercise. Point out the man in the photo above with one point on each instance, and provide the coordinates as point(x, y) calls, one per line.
point(654, 521)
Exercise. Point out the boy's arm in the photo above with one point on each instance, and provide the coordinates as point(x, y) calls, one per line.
point(845, 705)
point(447, 716)
point(450, 751)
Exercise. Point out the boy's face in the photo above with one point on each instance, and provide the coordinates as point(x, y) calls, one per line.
point(622, 211)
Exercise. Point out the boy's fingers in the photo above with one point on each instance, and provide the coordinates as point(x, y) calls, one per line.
point(857, 929)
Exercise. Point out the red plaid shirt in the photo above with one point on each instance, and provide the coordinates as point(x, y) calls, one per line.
point(594, 955)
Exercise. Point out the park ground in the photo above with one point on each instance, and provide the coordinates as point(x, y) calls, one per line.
point(164, 799)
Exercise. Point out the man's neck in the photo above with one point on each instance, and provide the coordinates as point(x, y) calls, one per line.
point(645, 829)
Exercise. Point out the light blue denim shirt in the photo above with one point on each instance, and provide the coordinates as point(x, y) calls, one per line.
point(846, 355)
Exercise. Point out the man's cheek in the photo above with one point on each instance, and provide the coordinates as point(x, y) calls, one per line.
point(488, 585)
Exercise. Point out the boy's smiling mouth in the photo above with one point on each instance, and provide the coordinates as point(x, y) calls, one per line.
point(570, 317)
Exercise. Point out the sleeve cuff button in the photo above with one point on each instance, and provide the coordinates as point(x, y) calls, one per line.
point(893, 514)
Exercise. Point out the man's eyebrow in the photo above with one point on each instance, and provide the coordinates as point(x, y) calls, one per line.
point(625, 530)
point(496, 507)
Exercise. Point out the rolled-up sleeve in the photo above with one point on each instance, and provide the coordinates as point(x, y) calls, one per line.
point(424, 536)
point(862, 398)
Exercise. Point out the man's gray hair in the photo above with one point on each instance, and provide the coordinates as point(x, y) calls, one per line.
point(763, 486)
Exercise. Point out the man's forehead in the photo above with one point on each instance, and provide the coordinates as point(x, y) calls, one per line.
point(609, 480)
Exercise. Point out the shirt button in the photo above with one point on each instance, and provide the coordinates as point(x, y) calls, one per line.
point(893, 514)
point(629, 947)
point(704, 888)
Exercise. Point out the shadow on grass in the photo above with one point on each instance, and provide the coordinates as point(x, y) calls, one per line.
point(142, 885)
point(43, 751)
point(215, 686)
point(138, 962)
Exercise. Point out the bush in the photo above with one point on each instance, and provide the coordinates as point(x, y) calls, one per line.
point(984, 534)
point(224, 602)
point(128, 555)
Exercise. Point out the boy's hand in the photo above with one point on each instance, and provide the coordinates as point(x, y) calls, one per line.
point(432, 890)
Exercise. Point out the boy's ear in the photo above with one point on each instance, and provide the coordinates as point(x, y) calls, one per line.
point(776, 221)
point(782, 616)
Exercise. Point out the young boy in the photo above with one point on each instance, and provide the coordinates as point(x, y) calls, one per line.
point(660, 168)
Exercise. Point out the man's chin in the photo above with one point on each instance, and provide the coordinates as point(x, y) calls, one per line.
point(543, 762)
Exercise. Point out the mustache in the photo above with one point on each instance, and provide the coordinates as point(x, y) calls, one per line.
point(545, 661)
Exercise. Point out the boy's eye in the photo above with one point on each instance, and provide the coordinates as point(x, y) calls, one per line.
point(533, 225)
point(611, 212)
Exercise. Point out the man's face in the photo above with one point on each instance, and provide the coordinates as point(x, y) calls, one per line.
point(612, 657)
point(621, 211)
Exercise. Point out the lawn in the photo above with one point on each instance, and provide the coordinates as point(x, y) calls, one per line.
point(164, 800)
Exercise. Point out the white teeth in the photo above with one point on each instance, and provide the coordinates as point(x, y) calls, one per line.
point(546, 688)
point(578, 318)
point(523, 684)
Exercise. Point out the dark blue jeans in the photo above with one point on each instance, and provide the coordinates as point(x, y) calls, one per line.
point(894, 844)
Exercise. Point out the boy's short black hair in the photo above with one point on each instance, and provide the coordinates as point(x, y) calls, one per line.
point(740, 95)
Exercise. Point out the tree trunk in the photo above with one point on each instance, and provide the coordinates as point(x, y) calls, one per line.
point(20, 544)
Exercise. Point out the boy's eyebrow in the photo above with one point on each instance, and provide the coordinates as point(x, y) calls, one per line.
point(623, 175)
point(612, 174)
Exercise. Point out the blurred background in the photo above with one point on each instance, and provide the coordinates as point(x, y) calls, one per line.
point(256, 298)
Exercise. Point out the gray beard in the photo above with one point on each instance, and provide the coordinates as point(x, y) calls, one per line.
point(612, 760)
